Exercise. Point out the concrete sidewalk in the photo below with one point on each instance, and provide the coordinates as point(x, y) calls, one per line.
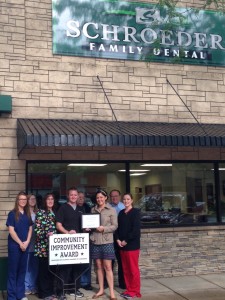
point(197, 287)
point(207, 287)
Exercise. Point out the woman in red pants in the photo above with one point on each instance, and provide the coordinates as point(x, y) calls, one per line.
point(128, 238)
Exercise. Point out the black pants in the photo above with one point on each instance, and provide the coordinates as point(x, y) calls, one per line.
point(69, 275)
point(45, 279)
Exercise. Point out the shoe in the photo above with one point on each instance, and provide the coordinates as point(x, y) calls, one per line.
point(97, 296)
point(79, 294)
point(28, 292)
point(24, 298)
point(52, 297)
point(71, 294)
point(33, 292)
point(127, 296)
point(87, 287)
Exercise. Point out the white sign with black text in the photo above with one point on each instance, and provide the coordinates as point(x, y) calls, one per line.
point(67, 249)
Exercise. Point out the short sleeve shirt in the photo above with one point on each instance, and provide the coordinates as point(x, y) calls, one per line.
point(21, 227)
point(45, 223)
point(69, 218)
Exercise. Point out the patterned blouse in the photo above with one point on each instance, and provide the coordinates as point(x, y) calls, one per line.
point(45, 223)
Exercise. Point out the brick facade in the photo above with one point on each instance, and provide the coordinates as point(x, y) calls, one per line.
point(65, 87)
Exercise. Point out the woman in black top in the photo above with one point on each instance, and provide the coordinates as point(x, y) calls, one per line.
point(128, 238)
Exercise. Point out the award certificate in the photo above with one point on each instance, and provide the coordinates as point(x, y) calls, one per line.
point(90, 221)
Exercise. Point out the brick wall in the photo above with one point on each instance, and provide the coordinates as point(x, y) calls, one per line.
point(47, 86)
point(67, 87)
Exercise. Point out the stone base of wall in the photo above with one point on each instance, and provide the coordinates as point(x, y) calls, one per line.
point(181, 251)
point(170, 252)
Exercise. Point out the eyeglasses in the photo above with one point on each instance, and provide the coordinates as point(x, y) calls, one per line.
point(22, 199)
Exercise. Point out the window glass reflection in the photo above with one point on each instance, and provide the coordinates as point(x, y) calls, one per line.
point(87, 178)
point(167, 194)
point(222, 190)
point(178, 193)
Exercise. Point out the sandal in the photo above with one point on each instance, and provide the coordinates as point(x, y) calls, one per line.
point(97, 296)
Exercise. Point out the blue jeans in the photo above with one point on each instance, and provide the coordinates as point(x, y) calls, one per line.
point(31, 272)
point(86, 277)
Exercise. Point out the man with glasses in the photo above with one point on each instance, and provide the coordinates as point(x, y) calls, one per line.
point(115, 198)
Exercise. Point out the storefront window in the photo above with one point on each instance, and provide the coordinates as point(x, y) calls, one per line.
point(222, 190)
point(88, 178)
point(178, 193)
point(167, 194)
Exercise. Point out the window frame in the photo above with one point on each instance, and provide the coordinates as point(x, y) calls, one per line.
point(127, 164)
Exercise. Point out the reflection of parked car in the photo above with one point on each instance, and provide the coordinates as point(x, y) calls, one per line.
point(163, 201)
point(164, 208)
point(89, 202)
point(153, 202)
point(166, 218)
point(62, 200)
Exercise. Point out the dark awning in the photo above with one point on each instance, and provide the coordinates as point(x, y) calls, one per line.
point(41, 132)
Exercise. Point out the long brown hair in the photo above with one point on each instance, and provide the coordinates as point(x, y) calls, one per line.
point(129, 194)
point(45, 201)
point(131, 197)
point(16, 207)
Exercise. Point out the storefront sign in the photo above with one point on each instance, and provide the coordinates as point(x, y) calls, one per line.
point(69, 249)
point(138, 31)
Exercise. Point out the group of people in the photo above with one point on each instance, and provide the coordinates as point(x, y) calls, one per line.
point(118, 236)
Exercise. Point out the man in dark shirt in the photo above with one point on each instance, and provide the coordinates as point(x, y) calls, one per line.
point(68, 221)
point(81, 202)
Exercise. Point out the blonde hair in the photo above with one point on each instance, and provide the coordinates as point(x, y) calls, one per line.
point(28, 198)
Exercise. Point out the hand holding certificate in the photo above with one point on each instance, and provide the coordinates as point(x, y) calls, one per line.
point(91, 221)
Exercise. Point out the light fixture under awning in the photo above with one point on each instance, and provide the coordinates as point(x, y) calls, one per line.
point(156, 165)
point(87, 165)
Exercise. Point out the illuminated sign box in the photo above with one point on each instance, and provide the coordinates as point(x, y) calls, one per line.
point(138, 31)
